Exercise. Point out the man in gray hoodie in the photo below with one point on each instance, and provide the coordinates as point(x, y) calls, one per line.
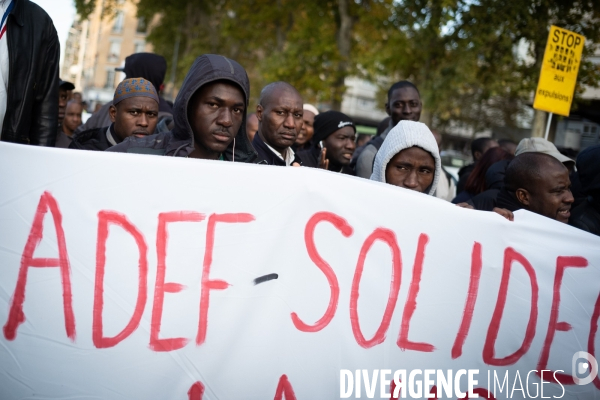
point(209, 116)
point(409, 158)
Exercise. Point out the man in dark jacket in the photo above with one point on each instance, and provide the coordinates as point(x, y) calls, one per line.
point(539, 183)
point(337, 133)
point(149, 66)
point(586, 216)
point(31, 107)
point(134, 112)
point(209, 116)
point(279, 113)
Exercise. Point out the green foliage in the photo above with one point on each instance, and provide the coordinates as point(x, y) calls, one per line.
point(462, 54)
point(84, 7)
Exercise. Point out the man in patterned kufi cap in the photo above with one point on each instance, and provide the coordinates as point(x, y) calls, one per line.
point(133, 112)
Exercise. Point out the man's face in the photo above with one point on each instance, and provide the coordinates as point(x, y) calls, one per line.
point(215, 114)
point(490, 144)
point(280, 118)
point(308, 128)
point(363, 139)
point(412, 168)
point(509, 147)
point(340, 145)
point(63, 98)
point(549, 195)
point(136, 116)
point(72, 117)
point(251, 126)
point(404, 104)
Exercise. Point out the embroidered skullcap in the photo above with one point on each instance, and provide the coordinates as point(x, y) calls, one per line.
point(134, 87)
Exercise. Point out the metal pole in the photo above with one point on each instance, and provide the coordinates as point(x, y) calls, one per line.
point(548, 126)
point(174, 63)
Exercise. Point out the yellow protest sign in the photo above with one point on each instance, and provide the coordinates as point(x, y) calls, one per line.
point(559, 71)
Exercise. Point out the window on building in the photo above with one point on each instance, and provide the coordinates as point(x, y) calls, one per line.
point(139, 47)
point(119, 19)
point(114, 51)
point(110, 79)
point(586, 129)
point(142, 26)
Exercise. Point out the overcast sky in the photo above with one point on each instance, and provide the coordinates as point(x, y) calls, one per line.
point(62, 13)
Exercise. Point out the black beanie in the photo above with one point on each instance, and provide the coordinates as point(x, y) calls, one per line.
point(328, 122)
point(146, 65)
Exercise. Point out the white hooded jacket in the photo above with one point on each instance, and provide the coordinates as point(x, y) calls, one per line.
point(404, 135)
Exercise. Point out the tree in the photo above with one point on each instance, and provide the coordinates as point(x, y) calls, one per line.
point(496, 27)
point(462, 54)
point(309, 44)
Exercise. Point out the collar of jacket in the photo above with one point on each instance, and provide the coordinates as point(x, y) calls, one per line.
point(17, 12)
point(267, 154)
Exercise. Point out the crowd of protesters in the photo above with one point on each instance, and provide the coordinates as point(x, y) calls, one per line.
point(212, 119)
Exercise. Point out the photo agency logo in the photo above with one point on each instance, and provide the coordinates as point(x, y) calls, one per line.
point(430, 383)
point(585, 368)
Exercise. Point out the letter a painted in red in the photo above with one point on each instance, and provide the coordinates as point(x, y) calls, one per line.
point(284, 388)
point(16, 316)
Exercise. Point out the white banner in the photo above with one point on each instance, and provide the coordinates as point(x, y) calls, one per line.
point(142, 277)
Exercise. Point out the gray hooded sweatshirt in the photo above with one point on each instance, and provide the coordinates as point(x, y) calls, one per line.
point(404, 135)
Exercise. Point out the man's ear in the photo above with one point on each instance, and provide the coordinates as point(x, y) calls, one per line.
point(259, 111)
point(523, 196)
point(387, 109)
point(477, 155)
point(112, 113)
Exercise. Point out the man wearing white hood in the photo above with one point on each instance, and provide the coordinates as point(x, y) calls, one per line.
point(409, 158)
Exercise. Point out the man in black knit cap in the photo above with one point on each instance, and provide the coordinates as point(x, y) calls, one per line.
point(332, 144)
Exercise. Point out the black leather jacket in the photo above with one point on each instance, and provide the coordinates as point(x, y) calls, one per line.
point(34, 53)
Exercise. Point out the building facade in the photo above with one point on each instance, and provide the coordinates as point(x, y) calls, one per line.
point(360, 102)
point(70, 70)
point(98, 45)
